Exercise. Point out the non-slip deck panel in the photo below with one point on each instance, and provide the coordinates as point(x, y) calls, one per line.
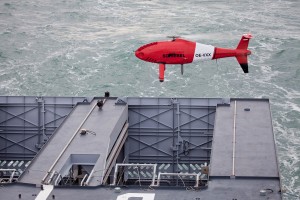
point(46, 157)
point(102, 125)
point(217, 189)
point(254, 152)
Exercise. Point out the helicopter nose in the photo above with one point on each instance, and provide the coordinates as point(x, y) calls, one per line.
point(139, 54)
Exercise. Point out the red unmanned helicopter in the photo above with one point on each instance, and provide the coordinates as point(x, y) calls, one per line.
point(180, 51)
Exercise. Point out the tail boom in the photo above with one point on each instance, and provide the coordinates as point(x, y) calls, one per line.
point(241, 52)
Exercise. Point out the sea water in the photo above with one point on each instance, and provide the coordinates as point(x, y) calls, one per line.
point(86, 47)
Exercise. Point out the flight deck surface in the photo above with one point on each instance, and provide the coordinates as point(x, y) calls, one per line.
point(148, 148)
point(244, 132)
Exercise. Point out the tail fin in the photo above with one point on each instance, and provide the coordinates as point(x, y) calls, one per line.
point(243, 61)
point(242, 46)
point(244, 42)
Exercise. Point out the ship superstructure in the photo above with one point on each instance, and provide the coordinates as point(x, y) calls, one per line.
point(137, 148)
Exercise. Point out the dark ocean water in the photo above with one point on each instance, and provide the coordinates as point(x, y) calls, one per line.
point(85, 47)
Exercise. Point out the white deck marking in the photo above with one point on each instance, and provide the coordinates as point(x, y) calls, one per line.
point(45, 192)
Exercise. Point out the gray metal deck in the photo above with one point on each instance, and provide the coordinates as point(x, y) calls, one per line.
point(68, 147)
point(234, 137)
point(244, 143)
point(227, 189)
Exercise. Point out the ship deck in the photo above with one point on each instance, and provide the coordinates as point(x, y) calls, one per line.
point(138, 148)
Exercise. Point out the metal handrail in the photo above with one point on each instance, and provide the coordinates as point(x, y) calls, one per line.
point(134, 165)
point(51, 176)
point(82, 182)
point(11, 175)
point(89, 178)
point(57, 179)
point(178, 174)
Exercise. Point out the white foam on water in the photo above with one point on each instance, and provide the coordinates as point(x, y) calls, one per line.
point(87, 46)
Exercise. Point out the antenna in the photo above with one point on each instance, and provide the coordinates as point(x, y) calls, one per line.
point(217, 64)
